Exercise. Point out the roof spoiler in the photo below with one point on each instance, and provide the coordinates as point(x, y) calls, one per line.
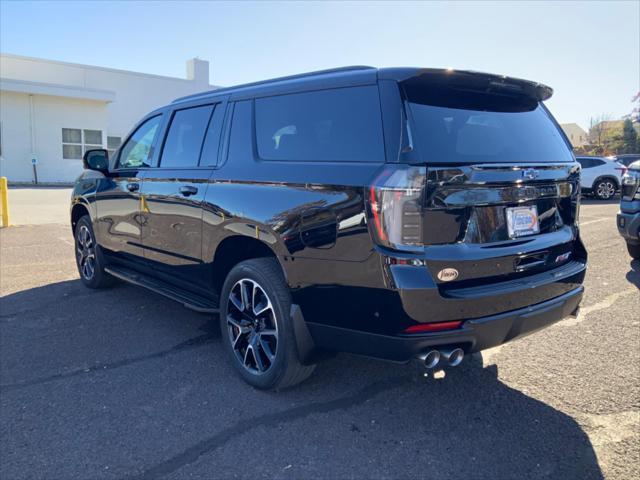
point(478, 81)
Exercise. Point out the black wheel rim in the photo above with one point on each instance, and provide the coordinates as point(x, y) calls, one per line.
point(85, 253)
point(606, 190)
point(252, 326)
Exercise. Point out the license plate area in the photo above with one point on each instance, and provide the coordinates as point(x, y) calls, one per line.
point(522, 221)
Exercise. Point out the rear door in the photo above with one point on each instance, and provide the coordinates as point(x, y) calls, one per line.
point(173, 190)
point(119, 226)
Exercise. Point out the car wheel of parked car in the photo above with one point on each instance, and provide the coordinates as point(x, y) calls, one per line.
point(604, 189)
point(634, 250)
point(89, 257)
point(256, 326)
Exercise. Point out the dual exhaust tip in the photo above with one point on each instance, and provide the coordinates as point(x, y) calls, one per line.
point(452, 356)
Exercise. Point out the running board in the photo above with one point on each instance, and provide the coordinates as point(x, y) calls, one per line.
point(190, 300)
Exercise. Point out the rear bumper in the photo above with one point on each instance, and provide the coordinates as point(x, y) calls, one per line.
point(629, 226)
point(426, 302)
point(474, 335)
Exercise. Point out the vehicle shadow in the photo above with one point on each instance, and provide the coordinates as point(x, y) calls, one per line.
point(468, 424)
point(633, 275)
point(368, 418)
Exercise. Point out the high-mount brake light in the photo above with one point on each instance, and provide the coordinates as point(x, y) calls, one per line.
point(395, 201)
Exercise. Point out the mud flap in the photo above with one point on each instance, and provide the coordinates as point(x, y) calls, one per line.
point(304, 341)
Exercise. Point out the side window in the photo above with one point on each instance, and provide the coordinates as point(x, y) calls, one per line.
point(585, 162)
point(138, 150)
point(240, 138)
point(341, 124)
point(185, 137)
point(598, 163)
point(209, 156)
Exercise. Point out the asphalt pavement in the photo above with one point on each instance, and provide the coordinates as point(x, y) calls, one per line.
point(124, 384)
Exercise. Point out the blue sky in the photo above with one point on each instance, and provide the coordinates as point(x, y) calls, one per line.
point(589, 52)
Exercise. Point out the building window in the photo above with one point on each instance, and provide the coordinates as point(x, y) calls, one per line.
point(113, 143)
point(76, 141)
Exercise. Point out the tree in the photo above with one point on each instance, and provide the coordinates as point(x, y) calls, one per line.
point(629, 137)
point(598, 131)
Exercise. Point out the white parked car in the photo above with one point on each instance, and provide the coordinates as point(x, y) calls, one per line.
point(600, 176)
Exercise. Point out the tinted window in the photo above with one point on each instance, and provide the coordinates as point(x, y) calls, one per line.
point(329, 125)
point(240, 139)
point(479, 128)
point(212, 139)
point(585, 162)
point(186, 134)
point(138, 150)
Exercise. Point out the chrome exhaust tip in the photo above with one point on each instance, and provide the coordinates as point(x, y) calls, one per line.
point(453, 356)
point(430, 359)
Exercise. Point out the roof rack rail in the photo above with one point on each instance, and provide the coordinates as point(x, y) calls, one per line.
point(270, 80)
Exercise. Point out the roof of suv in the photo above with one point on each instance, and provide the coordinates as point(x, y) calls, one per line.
point(362, 74)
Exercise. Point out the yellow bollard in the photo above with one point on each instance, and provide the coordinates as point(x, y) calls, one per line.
point(4, 201)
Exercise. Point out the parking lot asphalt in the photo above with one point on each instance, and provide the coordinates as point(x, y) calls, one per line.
point(122, 383)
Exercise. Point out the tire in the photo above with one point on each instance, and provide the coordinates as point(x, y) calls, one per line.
point(604, 188)
point(89, 258)
point(261, 346)
point(634, 250)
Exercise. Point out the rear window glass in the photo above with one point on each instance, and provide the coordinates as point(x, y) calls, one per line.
point(480, 128)
point(342, 125)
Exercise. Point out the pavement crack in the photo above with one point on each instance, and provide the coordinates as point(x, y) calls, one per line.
point(191, 343)
point(218, 440)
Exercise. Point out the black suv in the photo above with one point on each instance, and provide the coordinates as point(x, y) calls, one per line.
point(629, 215)
point(398, 213)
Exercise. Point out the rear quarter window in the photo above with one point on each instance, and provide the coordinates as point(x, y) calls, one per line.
point(336, 125)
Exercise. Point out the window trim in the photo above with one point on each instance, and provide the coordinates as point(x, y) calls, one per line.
point(254, 132)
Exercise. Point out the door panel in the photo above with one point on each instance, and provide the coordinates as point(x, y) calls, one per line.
point(171, 212)
point(172, 195)
point(118, 226)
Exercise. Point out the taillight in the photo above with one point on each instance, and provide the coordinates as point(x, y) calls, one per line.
point(395, 203)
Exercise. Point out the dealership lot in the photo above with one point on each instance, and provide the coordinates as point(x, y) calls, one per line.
point(125, 384)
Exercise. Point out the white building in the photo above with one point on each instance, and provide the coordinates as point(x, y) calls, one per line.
point(576, 134)
point(53, 111)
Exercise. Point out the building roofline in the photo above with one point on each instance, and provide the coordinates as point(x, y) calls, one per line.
point(55, 90)
point(95, 67)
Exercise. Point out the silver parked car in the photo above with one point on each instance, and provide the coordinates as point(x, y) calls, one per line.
point(600, 176)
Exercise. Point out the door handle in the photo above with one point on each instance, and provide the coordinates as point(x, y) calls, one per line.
point(133, 187)
point(187, 190)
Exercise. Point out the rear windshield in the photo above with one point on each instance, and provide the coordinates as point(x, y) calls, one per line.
point(463, 127)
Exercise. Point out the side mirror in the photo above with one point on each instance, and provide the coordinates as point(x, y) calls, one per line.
point(96, 160)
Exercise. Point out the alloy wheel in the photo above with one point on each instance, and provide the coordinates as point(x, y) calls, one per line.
point(606, 189)
point(85, 252)
point(252, 326)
